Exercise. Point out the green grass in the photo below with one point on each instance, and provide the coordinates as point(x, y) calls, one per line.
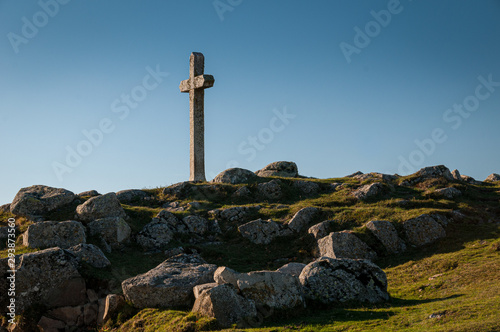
point(152, 320)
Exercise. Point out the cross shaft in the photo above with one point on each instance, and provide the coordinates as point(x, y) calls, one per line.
point(196, 85)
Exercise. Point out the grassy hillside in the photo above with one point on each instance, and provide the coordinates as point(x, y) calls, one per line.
point(450, 285)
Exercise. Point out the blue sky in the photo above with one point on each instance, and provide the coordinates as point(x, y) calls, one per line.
point(336, 86)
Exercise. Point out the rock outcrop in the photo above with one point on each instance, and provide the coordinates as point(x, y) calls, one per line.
point(113, 231)
point(235, 176)
point(88, 193)
point(368, 191)
point(434, 172)
point(49, 277)
point(131, 195)
point(90, 254)
point(98, 207)
point(293, 269)
point(423, 230)
point(493, 178)
point(322, 229)
point(196, 224)
point(234, 214)
point(223, 303)
point(307, 188)
point(387, 234)
point(345, 245)
point(330, 281)
point(155, 235)
point(271, 289)
point(47, 234)
point(38, 200)
point(449, 192)
point(302, 218)
point(170, 284)
point(456, 175)
point(270, 190)
point(286, 169)
point(262, 231)
point(180, 190)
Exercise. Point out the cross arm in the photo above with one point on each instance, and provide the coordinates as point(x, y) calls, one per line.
point(199, 82)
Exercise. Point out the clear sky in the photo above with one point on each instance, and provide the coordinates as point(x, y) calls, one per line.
point(89, 95)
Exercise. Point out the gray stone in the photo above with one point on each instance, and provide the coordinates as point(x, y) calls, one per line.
point(331, 281)
point(375, 175)
point(493, 178)
point(302, 218)
point(99, 207)
point(293, 269)
point(38, 200)
point(225, 275)
point(387, 234)
point(469, 179)
point(345, 245)
point(235, 176)
point(223, 303)
point(322, 229)
point(242, 192)
point(270, 190)
point(49, 277)
point(434, 172)
point(131, 195)
point(354, 174)
point(286, 169)
point(200, 289)
point(179, 190)
point(173, 207)
point(449, 192)
point(234, 214)
point(423, 230)
point(175, 224)
point(91, 255)
point(170, 284)
point(456, 175)
point(89, 193)
point(261, 231)
point(114, 231)
point(155, 235)
point(307, 187)
point(196, 224)
point(196, 85)
point(368, 191)
point(47, 234)
point(442, 220)
point(271, 289)
point(114, 303)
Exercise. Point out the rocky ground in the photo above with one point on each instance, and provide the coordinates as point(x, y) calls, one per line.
point(269, 248)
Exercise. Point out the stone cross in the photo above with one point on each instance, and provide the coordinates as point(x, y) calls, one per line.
point(196, 85)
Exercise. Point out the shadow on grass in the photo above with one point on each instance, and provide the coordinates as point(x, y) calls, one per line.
point(457, 235)
point(348, 313)
point(399, 303)
point(311, 317)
